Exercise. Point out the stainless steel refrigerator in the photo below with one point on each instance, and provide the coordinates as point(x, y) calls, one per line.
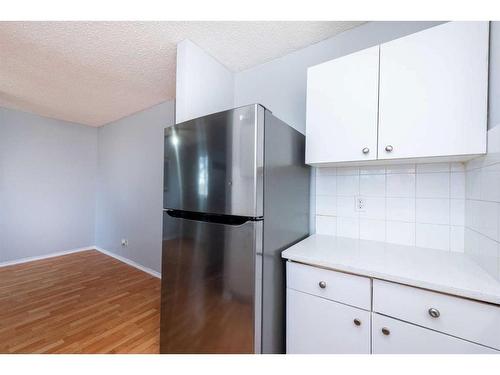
point(236, 194)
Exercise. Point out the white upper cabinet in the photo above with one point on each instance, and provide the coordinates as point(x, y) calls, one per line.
point(342, 97)
point(420, 96)
point(433, 92)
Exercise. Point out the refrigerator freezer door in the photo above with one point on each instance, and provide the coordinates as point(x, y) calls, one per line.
point(213, 164)
point(209, 299)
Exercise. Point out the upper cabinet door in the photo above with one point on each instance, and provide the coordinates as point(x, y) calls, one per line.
point(433, 92)
point(342, 97)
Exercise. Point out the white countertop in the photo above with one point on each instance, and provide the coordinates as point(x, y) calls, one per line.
point(442, 271)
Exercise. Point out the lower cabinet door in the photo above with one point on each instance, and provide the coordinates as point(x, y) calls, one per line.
point(318, 326)
point(391, 336)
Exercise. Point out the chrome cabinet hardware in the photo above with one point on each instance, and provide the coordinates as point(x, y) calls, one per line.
point(366, 150)
point(322, 284)
point(386, 331)
point(388, 148)
point(357, 322)
point(434, 312)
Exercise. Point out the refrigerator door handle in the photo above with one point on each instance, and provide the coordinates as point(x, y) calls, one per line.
point(211, 218)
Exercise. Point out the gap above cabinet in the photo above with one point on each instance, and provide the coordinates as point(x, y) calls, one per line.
point(420, 97)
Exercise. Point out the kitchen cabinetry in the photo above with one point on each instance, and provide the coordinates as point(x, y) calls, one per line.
point(342, 97)
point(332, 312)
point(420, 96)
point(391, 336)
point(319, 326)
point(433, 92)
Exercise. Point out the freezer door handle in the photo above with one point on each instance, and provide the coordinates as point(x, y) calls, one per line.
point(211, 218)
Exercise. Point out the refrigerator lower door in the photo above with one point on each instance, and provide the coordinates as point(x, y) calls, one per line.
point(209, 284)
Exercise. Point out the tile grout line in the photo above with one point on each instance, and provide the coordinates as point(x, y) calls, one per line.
point(415, 210)
point(449, 207)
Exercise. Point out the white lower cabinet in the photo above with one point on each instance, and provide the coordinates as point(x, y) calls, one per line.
point(319, 326)
point(392, 336)
point(321, 317)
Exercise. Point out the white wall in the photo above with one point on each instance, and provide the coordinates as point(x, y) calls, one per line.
point(47, 185)
point(203, 85)
point(130, 185)
point(280, 85)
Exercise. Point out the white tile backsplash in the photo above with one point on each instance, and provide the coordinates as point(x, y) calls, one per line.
point(400, 209)
point(348, 185)
point(400, 185)
point(326, 225)
point(348, 227)
point(392, 212)
point(370, 229)
point(482, 217)
point(348, 171)
point(372, 185)
point(457, 185)
point(326, 171)
point(482, 207)
point(457, 212)
point(457, 238)
point(433, 211)
point(376, 169)
point(490, 183)
point(433, 185)
point(400, 168)
point(473, 184)
point(400, 233)
point(434, 236)
point(374, 208)
point(326, 185)
point(433, 167)
point(457, 167)
point(326, 205)
point(346, 207)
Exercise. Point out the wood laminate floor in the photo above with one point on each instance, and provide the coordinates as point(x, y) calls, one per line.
point(85, 302)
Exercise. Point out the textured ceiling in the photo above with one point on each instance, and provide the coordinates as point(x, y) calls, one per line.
point(97, 72)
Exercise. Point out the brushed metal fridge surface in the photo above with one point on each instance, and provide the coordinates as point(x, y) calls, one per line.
point(236, 194)
point(214, 163)
point(208, 290)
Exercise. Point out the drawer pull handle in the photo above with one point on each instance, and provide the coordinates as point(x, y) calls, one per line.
point(322, 284)
point(386, 331)
point(357, 322)
point(434, 312)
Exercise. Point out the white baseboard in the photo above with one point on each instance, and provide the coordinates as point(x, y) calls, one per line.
point(40, 257)
point(106, 252)
point(129, 262)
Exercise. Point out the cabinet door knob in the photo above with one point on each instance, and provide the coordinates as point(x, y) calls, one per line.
point(388, 148)
point(357, 322)
point(386, 331)
point(434, 312)
point(366, 150)
point(322, 284)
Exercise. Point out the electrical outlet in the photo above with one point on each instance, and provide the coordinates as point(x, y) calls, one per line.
point(124, 242)
point(359, 204)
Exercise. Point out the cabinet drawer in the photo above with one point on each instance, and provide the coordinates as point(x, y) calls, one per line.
point(336, 286)
point(318, 326)
point(404, 338)
point(470, 320)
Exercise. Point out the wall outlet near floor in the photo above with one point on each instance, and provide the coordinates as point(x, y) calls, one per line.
point(359, 204)
point(124, 242)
